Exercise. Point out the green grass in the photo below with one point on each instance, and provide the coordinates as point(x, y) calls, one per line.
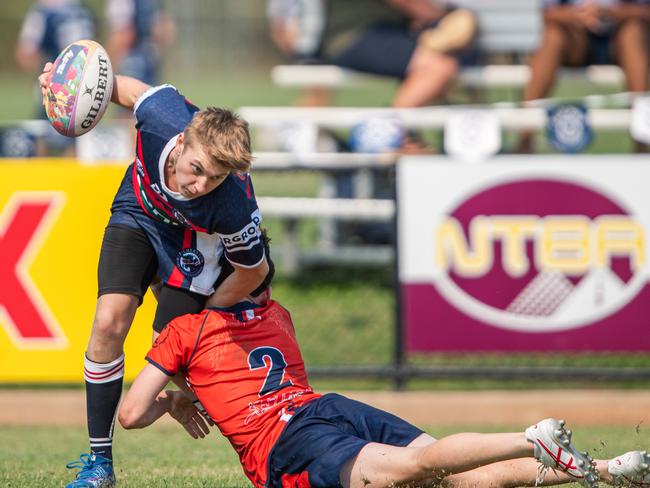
point(164, 456)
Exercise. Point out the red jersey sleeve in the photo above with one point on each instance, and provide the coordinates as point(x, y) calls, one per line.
point(172, 349)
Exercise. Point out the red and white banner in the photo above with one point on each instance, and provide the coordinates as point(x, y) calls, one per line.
point(535, 253)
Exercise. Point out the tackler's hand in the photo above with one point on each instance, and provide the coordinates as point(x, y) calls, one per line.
point(187, 415)
point(197, 404)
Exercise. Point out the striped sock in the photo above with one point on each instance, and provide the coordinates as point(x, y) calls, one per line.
point(103, 391)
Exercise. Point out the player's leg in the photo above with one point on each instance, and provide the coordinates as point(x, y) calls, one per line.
point(630, 469)
point(127, 265)
point(381, 465)
point(548, 441)
point(505, 474)
point(174, 302)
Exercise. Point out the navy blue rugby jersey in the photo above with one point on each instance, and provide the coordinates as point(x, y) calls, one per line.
point(230, 210)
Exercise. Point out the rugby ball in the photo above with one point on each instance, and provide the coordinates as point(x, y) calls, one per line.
point(81, 84)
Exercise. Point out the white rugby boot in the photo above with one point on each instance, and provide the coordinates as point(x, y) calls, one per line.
point(554, 450)
point(631, 469)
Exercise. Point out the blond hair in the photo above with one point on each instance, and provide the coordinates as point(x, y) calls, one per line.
point(224, 137)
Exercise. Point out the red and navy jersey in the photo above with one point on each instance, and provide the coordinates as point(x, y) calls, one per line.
point(230, 210)
point(247, 371)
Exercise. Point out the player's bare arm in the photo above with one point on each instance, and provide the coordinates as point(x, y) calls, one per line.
point(127, 91)
point(238, 285)
point(146, 402)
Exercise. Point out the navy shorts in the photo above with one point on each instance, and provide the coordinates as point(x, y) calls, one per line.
point(386, 48)
point(600, 49)
point(382, 48)
point(324, 434)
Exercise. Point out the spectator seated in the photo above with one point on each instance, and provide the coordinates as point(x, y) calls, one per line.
point(509, 30)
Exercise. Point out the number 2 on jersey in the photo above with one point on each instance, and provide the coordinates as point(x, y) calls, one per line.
point(273, 381)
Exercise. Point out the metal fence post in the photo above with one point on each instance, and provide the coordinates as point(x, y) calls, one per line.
point(399, 380)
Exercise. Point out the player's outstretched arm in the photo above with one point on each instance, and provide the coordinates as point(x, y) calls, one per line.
point(127, 91)
point(146, 402)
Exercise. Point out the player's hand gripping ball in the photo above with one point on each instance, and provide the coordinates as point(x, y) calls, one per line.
point(78, 88)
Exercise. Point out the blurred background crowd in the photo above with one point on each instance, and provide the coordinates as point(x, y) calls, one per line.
point(425, 52)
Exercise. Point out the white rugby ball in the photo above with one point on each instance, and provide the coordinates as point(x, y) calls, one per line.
point(81, 84)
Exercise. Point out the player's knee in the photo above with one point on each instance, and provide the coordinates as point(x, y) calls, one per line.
point(423, 469)
point(110, 325)
point(442, 66)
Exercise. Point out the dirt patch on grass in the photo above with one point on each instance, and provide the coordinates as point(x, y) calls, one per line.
point(579, 407)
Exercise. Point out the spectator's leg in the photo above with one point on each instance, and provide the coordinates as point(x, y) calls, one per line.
point(315, 97)
point(633, 53)
point(633, 56)
point(560, 45)
point(427, 76)
point(546, 61)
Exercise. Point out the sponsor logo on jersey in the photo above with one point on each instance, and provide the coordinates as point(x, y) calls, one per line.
point(567, 256)
point(246, 238)
point(190, 262)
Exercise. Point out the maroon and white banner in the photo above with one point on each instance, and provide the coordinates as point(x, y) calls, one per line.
point(532, 253)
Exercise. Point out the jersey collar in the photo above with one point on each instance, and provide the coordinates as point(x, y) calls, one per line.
point(161, 169)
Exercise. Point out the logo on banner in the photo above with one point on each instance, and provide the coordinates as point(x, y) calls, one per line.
point(540, 255)
point(472, 135)
point(640, 124)
point(568, 128)
point(24, 224)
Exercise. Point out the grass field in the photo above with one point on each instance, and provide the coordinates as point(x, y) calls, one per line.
point(166, 457)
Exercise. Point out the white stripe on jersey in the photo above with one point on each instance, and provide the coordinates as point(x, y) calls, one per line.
point(211, 247)
point(252, 243)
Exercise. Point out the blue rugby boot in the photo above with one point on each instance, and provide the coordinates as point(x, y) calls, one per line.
point(95, 471)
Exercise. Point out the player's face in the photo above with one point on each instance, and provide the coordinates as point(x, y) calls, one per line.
point(196, 175)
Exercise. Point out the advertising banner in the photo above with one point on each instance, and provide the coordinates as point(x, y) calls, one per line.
point(534, 253)
point(52, 219)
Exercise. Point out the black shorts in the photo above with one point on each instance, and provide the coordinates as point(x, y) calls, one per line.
point(382, 48)
point(127, 264)
point(127, 261)
point(325, 433)
point(600, 50)
point(386, 48)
